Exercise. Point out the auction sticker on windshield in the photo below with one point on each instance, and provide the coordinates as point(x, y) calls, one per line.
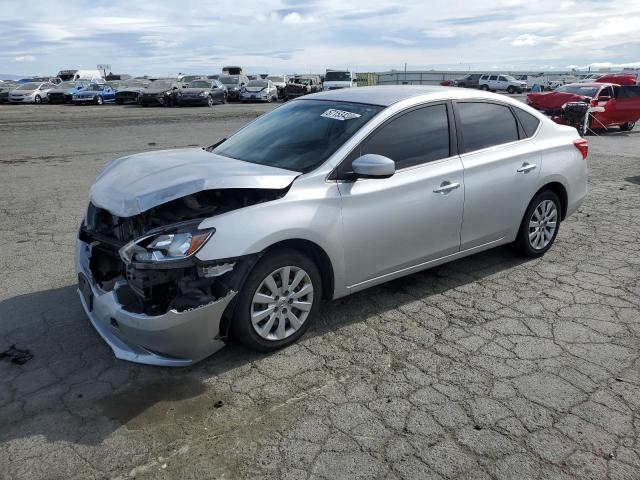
point(339, 114)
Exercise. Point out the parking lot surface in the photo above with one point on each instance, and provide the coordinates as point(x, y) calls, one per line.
point(492, 366)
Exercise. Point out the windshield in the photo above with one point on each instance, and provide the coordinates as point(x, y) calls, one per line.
point(578, 90)
point(276, 79)
point(257, 83)
point(229, 80)
point(337, 77)
point(298, 136)
point(28, 86)
point(161, 84)
point(95, 87)
point(301, 81)
point(199, 84)
point(510, 78)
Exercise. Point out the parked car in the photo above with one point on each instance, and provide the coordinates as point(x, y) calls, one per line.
point(611, 105)
point(302, 85)
point(202, 92)
point(92, 76)
point(259, 91)
point(619, 79)
point(468, 81)
point(505, 83)
point(5, 87)
point(129, 90)
point(540, 79)
point(320, 198)
point(233, 83)
point(96, 93)
point(64, 92)
point(160, 92)
point(32, 92)
point(280, 81)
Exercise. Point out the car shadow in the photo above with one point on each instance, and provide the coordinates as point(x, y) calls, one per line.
point(75, 390)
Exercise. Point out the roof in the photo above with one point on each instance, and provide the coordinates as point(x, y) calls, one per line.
point(389, 94)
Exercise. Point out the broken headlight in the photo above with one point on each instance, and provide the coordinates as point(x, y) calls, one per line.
point(168, 246)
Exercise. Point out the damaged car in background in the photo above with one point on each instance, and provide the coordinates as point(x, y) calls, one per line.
point(322, 197)
point(129, 90)
point(301, 85)
point(590, 106)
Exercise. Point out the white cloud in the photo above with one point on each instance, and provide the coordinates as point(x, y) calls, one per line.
point(25, 58)
point(439, 32)
point(529, 40)
point(399, 41)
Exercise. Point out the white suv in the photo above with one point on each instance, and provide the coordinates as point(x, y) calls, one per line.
point(501, 82)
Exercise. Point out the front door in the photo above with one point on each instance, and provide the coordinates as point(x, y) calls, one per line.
point(413, 216)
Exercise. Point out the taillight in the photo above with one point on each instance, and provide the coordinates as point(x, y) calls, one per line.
point(583, 147)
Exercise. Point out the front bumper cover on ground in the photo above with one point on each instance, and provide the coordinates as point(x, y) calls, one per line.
point(173, 339)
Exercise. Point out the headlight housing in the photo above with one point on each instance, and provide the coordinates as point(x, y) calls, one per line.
point(165, 247)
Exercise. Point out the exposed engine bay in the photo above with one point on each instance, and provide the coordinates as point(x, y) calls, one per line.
point(154, 289)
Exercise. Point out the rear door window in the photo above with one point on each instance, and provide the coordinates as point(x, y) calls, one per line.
point(485, 125)
point(493, 77)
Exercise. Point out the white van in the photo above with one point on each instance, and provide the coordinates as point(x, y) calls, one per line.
point(335, 79)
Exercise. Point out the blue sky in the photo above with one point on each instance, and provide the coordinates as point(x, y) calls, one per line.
point(285, 36)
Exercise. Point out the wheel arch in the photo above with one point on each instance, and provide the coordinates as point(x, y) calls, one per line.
point(560, 190)
point(317, 255)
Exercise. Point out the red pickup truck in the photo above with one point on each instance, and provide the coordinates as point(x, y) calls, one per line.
point(620, 104)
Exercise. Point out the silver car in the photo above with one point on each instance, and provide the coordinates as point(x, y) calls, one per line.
point(259, 91)
point(320, 198)
point(32, 92)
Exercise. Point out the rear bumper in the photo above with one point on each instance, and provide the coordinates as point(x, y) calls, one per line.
point(174, 339)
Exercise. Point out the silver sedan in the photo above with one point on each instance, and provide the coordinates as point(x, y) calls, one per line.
point(322, 197)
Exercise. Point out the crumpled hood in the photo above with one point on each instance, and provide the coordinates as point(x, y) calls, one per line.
point(549, 100)
point(133, 184)
point(193, 90)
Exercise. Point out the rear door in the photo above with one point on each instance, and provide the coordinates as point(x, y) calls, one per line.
point(501, 169)
point(414, 216)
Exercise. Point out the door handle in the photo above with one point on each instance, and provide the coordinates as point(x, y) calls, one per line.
point(526, 167)
point(446, 187)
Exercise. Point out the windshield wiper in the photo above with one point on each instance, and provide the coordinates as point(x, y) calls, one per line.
point(211, 148)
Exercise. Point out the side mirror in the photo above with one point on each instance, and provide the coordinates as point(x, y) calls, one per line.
point(604, 99)
point(174, 88)
point(372, 165)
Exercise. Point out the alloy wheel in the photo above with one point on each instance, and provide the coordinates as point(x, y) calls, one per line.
point(542, 225)
point(282, 303)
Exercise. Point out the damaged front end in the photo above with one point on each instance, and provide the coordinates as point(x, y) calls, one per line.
point(144, 289)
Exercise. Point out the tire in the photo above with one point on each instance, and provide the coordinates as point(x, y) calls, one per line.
point(99, 100)
point(484, 87)
point(462, 85)
point(534, 241)
point(627, 126)
point(510, 89)
point(224, 98)
point(37, 99)
point(210, 101)
point(119, 101)
point(274, 336)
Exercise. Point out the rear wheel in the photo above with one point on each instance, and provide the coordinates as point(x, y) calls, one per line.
point(278, 301)
point(540, 225)
point(627, 126)
point(484, 87)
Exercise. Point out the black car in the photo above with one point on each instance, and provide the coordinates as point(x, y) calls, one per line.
point(302, 85)
point(129, 90)
point(160, 92)
point(233, 83)
point(202, 92)
point(468, 81)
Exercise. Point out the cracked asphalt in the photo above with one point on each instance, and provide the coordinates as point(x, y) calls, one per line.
point(489, 367)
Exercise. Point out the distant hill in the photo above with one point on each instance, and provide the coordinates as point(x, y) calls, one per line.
point(10, 76)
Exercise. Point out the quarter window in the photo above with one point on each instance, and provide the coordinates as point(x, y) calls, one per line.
point(417, 137)
point(529, 122)
point(486, 124)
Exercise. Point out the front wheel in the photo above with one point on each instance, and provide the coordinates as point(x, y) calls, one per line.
point(540, 225)
point(627, 126)
point(510, 89)
point(278, 301)
point(210, 101)
point(484, 87)
point(99, 100)
point(37, 99)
